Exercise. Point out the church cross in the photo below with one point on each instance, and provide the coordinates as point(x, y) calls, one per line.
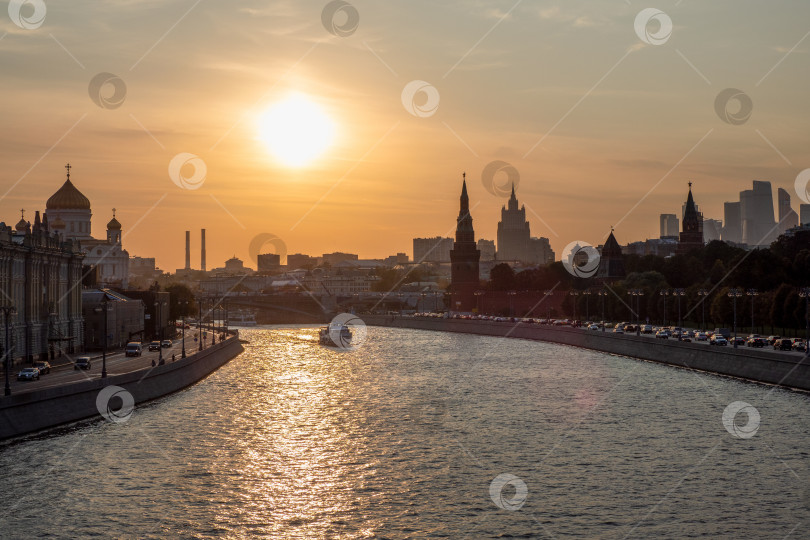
point(68, 167)
point(113, 213)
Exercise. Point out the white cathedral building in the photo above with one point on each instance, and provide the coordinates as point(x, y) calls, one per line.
point(68, 213)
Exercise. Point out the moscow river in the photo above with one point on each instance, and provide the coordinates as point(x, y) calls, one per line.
point(424, 434)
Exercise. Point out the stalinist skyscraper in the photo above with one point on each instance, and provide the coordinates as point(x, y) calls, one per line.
point(464, 258)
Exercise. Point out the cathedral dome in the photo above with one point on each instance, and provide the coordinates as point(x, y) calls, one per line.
point(68, 198)
point(21, 225)
point(114, 224)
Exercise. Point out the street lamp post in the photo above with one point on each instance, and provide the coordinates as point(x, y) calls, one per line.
point(753, 293)
point(477, 300)
point(664, 294)
point(602, 295)
point(511, 303)
point(587, 294)
point(575, 294)
point(105, 310)
point(679, 293)
point(804, 292)
point(548, 295)
point(734, 294)
point(183, 303)
point(7, 310)
point(199, 323)
point(637, 294)
point(158, 311)
point(704, 293)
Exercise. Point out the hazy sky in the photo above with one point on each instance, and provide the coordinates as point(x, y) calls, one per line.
point(567, 92)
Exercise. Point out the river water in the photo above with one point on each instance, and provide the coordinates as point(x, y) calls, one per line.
point(424, 434)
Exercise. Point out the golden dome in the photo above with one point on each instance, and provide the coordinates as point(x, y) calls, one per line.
point(68, 198)
point(57, 224)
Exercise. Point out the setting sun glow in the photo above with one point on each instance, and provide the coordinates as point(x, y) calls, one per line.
point(296, 130)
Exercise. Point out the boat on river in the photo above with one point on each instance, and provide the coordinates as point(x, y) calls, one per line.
point(335, 336)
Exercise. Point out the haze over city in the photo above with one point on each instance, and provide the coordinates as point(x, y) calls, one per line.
point(591, 116)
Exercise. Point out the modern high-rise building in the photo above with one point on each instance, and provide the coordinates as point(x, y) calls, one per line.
point(712, 229)
point(464, 258)
point(432, 250)
point(692, 234)
point(540, 251)
point(804, 214)
point(670, 226)
point(732, 219)
point(756, 211)
point(787, 216)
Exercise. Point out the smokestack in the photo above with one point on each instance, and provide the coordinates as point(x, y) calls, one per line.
point(188, 250)
point(202, 251)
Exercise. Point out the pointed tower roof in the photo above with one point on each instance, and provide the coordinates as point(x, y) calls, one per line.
point(690, 212)
point(113, 223)
point(21, 224)
point(68, 197)
point(611, 246)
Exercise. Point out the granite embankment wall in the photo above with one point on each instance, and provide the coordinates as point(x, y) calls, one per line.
point(772, 367)
point(40, 409)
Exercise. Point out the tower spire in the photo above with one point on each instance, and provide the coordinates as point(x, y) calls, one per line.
point(67, 168)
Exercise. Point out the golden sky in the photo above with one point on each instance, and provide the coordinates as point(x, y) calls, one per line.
point(592, 110)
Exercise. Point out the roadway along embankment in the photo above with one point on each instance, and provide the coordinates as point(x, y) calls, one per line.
point(41, 409)
point(771, 367)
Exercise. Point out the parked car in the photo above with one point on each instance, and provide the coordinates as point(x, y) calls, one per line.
point(133, 349)
point(28, 374)
point(756, 342)
point(784, 344)
point(82, 362)
point(166, 343)
point(43, 367)
point(154, 346)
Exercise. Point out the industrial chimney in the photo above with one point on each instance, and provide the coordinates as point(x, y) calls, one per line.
point(188, 250)
point(202, 251)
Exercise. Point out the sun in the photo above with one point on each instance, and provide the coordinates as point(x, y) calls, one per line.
point(296, 131)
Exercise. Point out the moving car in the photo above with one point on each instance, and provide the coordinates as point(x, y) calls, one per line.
point(82, 362)
point(43, 367)
point(133, 349)
point(701, 336)
point(717, 339)
point(28, 374)
point(799, 345)
point(784, 344)
point(647, 329)
point(662, 334)
point(154, 346)
point(756, 342)
point(166, 343)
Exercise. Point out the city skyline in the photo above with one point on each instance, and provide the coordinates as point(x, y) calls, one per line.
point(604, 125)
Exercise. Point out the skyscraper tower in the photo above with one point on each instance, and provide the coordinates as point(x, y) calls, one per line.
point(513, 232)
point(464, 257)
point(692, 232)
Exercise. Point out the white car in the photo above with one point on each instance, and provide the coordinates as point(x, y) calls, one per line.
point(593, 327)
